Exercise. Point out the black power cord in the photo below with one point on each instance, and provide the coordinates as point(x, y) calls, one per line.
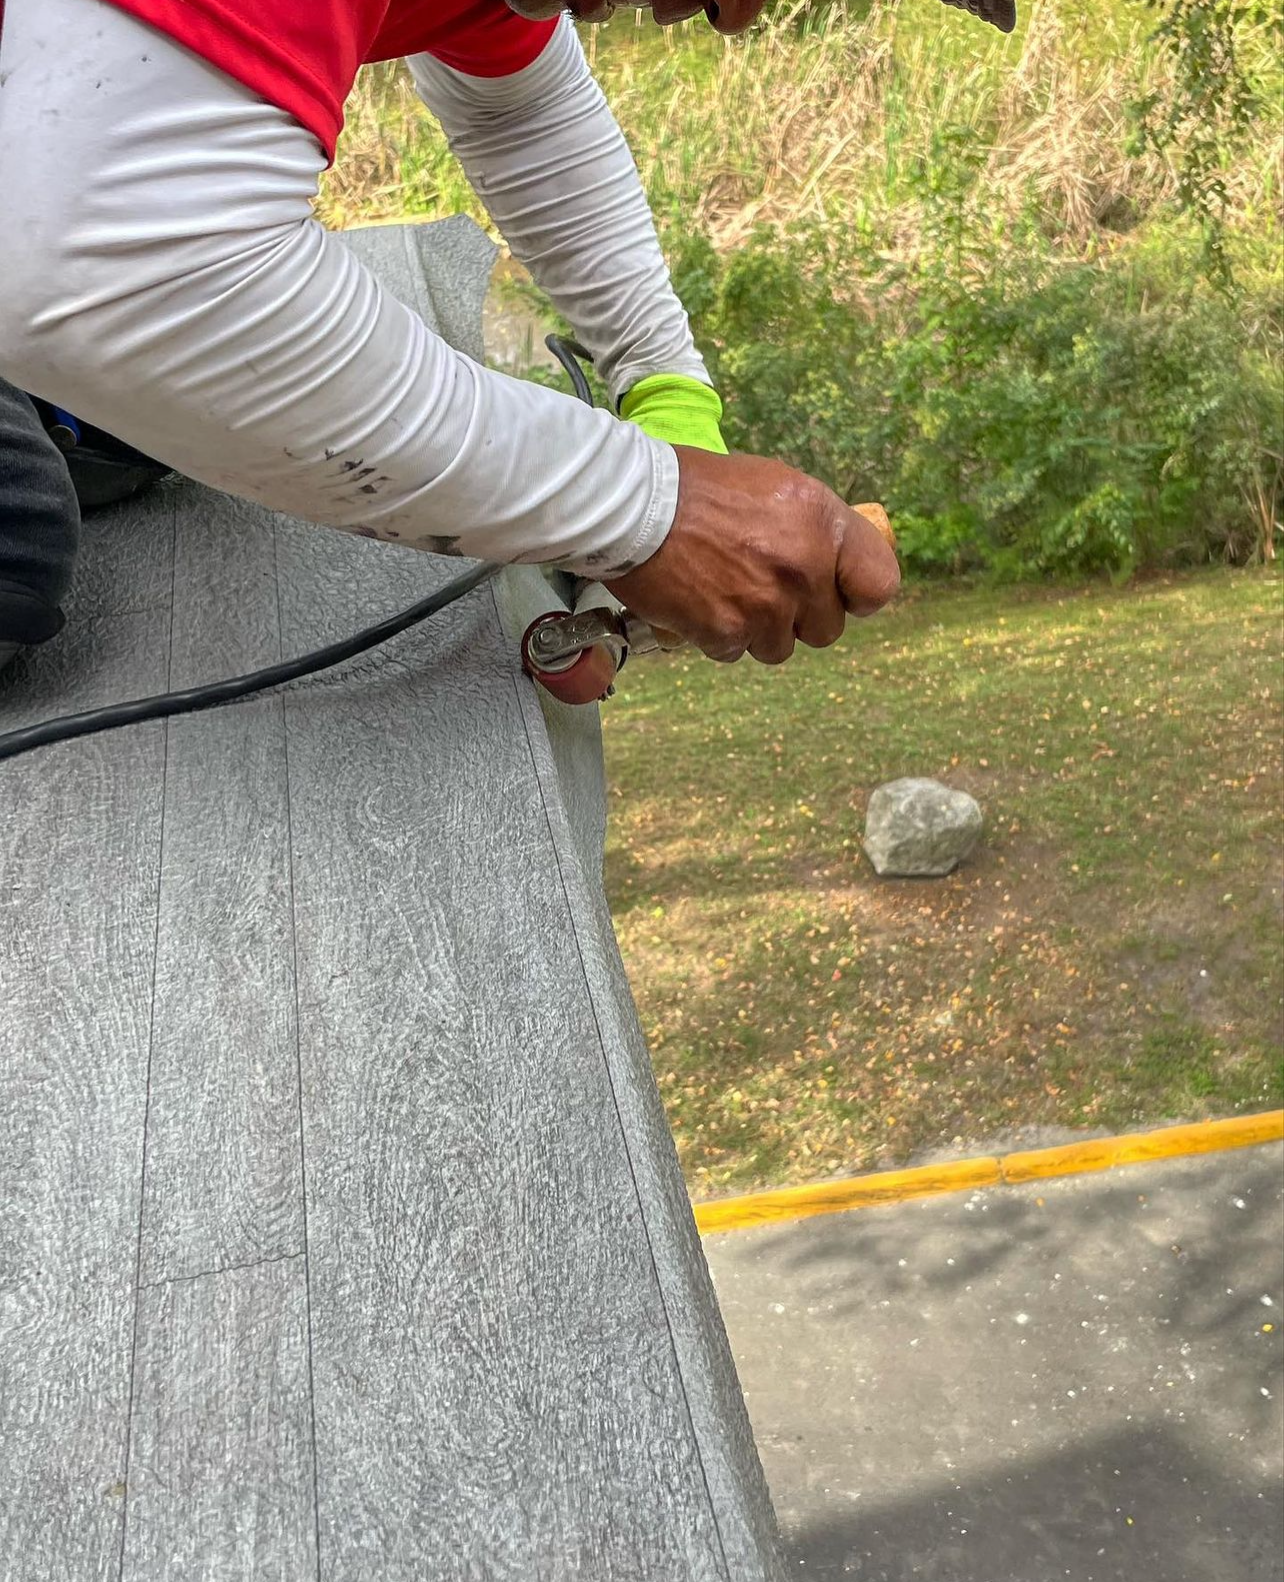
point(166, 704)
point(215, 693)
point(568, 353)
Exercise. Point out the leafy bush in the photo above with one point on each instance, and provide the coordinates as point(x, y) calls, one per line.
point(1017, 411)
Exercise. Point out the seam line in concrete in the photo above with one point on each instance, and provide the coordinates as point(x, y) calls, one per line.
point(992, 1170)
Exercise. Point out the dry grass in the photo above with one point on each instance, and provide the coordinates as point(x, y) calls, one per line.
point(388, 140)
point(832, 123)
point(824, 125)
point(828, 123)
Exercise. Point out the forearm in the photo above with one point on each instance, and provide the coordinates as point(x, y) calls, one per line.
point(545, 154)
point(164, 280)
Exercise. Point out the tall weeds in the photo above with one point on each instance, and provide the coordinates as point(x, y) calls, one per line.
point(825, 122)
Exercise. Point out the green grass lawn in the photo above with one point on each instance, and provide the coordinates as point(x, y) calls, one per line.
point(1111, 956)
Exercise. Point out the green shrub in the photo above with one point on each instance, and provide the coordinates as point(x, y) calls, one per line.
point(1017, 412)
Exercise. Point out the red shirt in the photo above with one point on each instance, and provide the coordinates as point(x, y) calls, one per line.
point(302, 55)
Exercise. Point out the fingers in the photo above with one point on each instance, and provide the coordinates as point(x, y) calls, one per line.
point(820, 617)
point(774, 649)
point(724, 646)
point(823, 622)
point(819, 624)
point(759, 558)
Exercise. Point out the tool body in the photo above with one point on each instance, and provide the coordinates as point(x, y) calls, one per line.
point(576, 654)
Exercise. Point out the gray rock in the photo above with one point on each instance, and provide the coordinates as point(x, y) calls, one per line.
point(920, 828)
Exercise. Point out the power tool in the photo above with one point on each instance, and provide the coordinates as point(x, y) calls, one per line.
point(576, 654)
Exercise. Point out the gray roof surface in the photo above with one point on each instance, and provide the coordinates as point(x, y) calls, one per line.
point(341, 1233)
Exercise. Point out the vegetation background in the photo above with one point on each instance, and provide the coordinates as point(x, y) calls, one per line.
point(1027, 291)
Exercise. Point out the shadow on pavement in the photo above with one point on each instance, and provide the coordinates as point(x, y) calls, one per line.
point(1129, 1506)
point(1194, 1272)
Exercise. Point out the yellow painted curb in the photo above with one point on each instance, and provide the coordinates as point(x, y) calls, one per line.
point(1038, 1164)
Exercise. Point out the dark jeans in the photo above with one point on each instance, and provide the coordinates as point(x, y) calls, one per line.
point(39, 524)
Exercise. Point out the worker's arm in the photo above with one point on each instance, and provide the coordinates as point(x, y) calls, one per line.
point(164, 279)
point(545, 154)
point(543, 150)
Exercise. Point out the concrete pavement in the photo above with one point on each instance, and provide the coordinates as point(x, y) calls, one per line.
point(1075, 1379)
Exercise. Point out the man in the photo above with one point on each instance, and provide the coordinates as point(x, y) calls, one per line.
point(166, 282)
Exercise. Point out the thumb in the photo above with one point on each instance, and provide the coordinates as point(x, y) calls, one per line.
point(868, 573)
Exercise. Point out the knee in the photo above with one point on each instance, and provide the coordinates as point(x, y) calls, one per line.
point(39, 523)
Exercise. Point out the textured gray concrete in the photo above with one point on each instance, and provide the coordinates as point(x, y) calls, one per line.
point(1070, 1380)
point(341, 1234)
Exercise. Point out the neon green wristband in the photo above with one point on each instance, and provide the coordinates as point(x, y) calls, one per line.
point(677, 409)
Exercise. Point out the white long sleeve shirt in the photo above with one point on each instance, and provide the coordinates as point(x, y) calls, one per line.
point(165, 280)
